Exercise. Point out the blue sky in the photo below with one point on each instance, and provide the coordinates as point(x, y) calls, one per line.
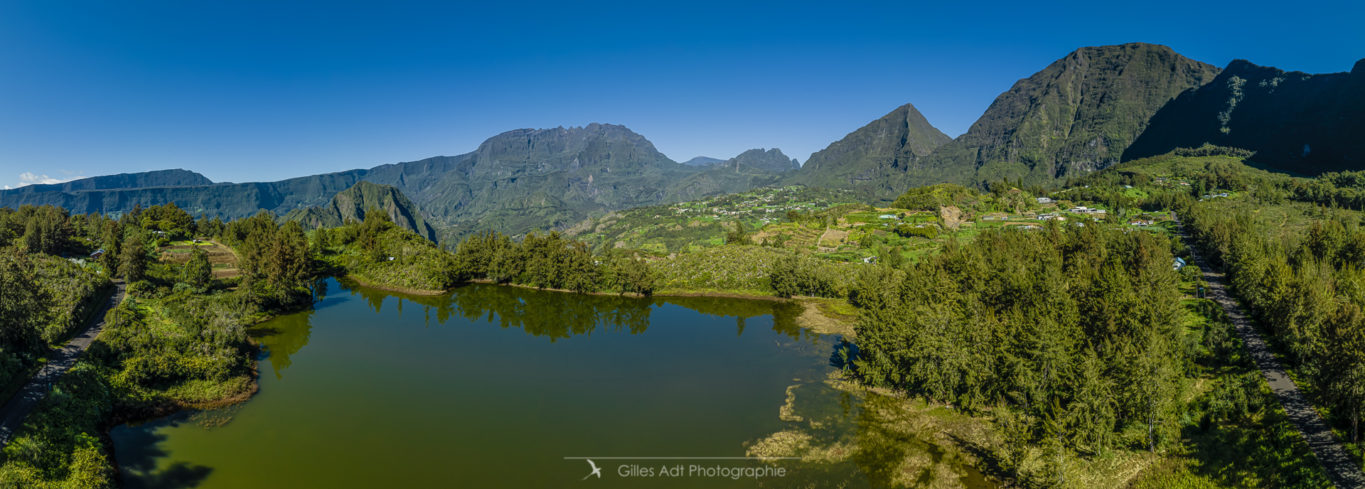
point(250, 91)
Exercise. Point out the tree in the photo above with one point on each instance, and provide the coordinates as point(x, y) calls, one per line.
point(33, 238)
point(289, 262)
point(738, 235)
point(21, 303)
point(1343, 374)
point(133, 259)
point(782, 278)
point(633, 275)
point(198, 272)
point(322, 239)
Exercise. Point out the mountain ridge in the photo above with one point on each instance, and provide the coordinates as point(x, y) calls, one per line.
point(869, 158)
point(1294, 121)
point(1076, 115)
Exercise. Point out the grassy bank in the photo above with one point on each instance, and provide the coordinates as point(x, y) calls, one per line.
point(157, 354)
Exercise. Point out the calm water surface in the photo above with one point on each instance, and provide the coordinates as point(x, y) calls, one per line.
point(494, 387)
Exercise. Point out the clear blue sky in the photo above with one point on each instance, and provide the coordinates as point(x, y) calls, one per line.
point(244, 91)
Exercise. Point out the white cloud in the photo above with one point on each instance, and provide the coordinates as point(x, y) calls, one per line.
point(30, 178)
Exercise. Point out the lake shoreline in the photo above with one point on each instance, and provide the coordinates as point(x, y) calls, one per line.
point(815, 317)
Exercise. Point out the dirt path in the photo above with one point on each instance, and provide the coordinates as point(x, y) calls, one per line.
point(1340, 466)
point(17, 408)
point(820, 242)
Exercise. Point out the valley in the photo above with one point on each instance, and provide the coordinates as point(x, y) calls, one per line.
point(1133, 270)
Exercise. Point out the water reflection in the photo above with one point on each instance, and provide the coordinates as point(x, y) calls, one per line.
point(282, 337)
point(417, 392)
point(547, 314)
point(560, 315)
point(784, 313)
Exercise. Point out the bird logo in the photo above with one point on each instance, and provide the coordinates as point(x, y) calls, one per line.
point(597, 471)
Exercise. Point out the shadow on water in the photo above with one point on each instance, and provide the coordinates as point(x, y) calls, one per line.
point(548, 314)
point(140, 448)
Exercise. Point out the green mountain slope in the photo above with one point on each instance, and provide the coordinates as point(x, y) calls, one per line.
point(872, 159)
point(537, 178)
point(751, 169)
point(1076, 115)
point(1297, 122)
point(354, 202)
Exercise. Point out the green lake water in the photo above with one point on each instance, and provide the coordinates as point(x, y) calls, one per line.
point(495, 386)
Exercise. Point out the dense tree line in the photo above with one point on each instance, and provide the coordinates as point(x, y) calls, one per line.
point(274, 258)
point(552, 261)
point(932, 197)
point(1073, 329)
point(1307, 291)
point(798, 274)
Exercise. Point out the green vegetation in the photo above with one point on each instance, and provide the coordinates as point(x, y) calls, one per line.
point(1304, 289)
point(873, 160)
point(708, 222)
point(1076, 331)
point(43, 298)
point(353, 203)
point(379, 252)
point(177, 340)
point(931, 198)
point(552, 262)
point(1053, 326)
point(1076, 115)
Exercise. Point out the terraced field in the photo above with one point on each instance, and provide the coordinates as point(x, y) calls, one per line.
point(222, 258)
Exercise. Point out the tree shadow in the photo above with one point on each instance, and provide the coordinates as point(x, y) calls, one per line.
point(139, 450)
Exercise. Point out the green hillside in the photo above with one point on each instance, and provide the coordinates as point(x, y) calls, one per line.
point(751, 169)
point(352, 204)
point(871, 159)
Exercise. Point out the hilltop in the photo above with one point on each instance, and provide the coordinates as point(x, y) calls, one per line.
point(871, 159)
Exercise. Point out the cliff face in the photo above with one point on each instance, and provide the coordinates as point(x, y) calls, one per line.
point(1294, 121)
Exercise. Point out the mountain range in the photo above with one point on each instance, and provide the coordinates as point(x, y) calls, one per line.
point(514, 182)
point(1088, 110)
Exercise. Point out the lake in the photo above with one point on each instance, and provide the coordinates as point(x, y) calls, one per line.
point(508, 387)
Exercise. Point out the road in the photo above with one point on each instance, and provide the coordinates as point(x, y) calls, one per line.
point(1341, 468)
point(60, 360)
